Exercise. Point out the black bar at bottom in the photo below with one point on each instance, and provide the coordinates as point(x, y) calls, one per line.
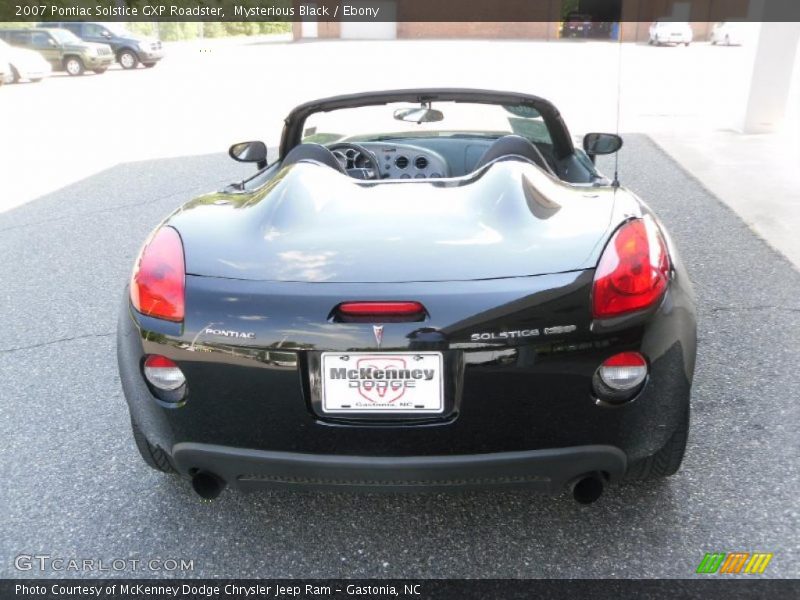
point(715, 586)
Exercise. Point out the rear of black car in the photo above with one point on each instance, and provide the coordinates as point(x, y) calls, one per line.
point(531, 373)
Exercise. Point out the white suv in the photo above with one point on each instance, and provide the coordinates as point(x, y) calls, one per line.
point(670, 32)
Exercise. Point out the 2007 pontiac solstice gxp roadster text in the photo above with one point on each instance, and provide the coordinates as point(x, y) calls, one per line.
point(428, 289)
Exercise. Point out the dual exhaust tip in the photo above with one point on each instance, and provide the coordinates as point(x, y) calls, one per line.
point(585, 489)
point(207, 485)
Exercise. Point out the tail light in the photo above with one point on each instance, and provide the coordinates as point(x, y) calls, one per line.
point(158, 281)
point(623, 371)
point(163, 373)
point(394, 309)
point(633, 271)
point(620, 377)
point(389, 311)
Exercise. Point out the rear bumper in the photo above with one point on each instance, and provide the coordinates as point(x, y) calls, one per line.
point(501, 400)
point(547, 470)
point(36, 73)
point(98, 62)
point(673, 39)
point(150, 56)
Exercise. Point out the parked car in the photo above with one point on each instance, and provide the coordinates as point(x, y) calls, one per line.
point(670, 32)
point(62, 49)
point(446, 293)
point(576, 25)
point(24, 64)
point(5, 66)
point(727, 34)
point(129, 48)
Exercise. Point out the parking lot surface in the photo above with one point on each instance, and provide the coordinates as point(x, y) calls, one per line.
point(206, 95)
point(76, 488)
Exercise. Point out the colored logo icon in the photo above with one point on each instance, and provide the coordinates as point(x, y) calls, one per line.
point(734, 562)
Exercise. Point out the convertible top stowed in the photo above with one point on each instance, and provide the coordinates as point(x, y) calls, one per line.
point(464, 308)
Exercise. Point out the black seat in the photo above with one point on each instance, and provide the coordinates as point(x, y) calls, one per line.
point(510, 146)
point(313, 153)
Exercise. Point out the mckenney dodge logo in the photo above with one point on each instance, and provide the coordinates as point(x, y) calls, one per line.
point(393, 382)
point(382, 380)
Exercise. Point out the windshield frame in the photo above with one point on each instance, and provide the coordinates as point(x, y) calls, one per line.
point(295, 122)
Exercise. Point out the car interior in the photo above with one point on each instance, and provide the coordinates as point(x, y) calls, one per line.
point(439, 157)
point(477, 136)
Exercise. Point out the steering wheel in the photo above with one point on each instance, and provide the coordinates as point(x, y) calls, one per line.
point(357, 161)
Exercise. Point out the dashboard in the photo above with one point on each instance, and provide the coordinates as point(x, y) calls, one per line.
point(434, 157)
point(396, 161)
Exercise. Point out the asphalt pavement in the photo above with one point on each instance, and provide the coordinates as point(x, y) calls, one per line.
point(75, 487)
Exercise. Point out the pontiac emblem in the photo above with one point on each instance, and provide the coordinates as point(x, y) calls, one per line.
point(378, 331)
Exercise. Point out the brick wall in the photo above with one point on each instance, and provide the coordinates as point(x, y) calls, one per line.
point(483, 30)
point(636, 17)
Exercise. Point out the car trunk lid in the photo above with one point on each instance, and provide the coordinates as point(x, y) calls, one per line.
point(312, 224)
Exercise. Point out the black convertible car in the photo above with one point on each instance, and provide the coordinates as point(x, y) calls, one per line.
point(426, 289)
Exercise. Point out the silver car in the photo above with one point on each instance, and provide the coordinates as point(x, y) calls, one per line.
point(23, 64)
point(670, 32)
point(5, 67)
point(727, 34)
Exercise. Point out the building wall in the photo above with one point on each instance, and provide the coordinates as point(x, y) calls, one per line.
point(442, 11)
point(542, 24)
point(636, 18)
point(325, 30)
point(483, 30)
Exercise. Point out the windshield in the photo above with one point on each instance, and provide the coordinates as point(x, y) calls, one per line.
point(64, 36)
point(448, 119)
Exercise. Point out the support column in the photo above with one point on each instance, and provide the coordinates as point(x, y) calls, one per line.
point(769, 73)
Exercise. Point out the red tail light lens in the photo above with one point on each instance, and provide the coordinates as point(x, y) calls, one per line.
point(158, 281)
point(380, 309)
point(633, 271)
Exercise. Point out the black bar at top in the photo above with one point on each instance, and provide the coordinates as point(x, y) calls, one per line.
point(444, 11)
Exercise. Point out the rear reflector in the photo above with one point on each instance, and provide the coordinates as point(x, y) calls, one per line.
point(381, 309)
point(163, 373)
point(624, 371)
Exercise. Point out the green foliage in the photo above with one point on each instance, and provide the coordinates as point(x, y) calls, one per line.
point(148, 29)
point(171, 32)
point(214, 29)
point(569, 6)
point(270, 27)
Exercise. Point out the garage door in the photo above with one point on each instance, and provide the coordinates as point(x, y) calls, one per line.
point(385, 29)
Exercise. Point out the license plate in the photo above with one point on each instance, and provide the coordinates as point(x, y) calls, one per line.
point(402, 382)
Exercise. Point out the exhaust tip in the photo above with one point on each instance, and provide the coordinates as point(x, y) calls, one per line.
point(587, 489)
point(207, 485)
